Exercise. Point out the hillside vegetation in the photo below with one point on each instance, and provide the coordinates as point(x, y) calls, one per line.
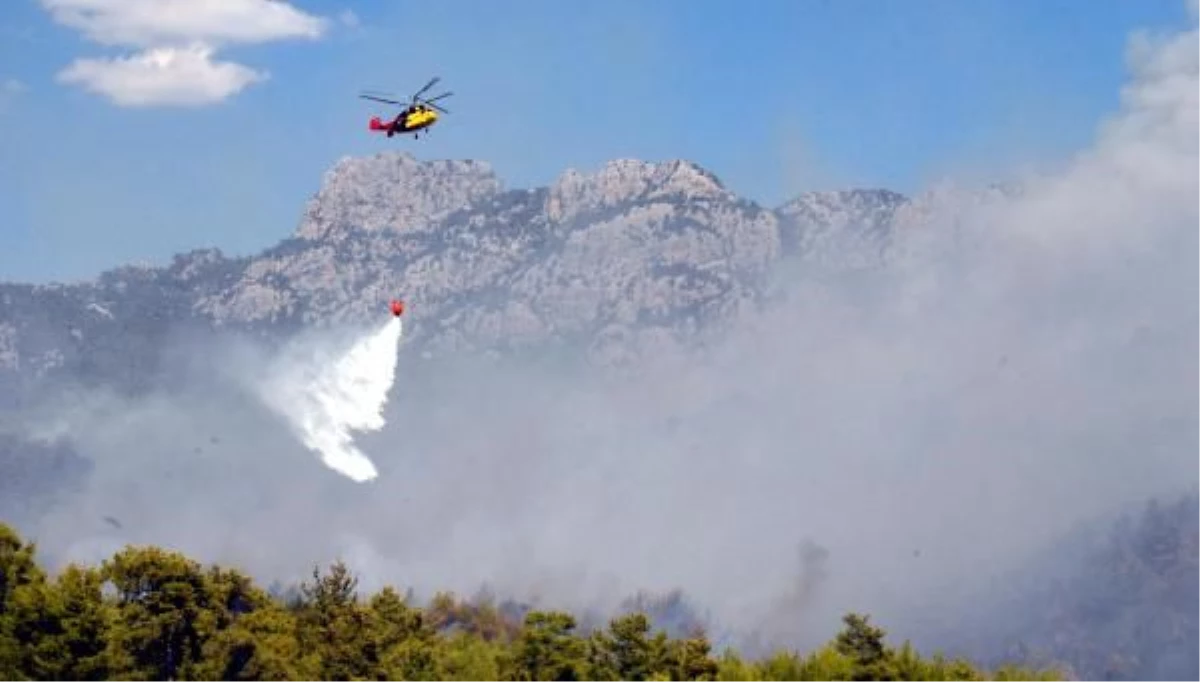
point(1114, 601)
point(147, 613)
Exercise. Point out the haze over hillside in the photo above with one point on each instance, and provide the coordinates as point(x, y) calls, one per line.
point(635, 379)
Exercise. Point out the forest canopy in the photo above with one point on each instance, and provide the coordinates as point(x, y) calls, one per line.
point(152, 614)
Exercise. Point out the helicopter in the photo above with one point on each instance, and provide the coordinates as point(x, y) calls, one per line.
point(418, 114)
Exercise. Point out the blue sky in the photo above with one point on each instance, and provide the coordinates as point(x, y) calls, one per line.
point(774, 96)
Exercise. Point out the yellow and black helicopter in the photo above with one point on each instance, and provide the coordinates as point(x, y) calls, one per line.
point(418, 114)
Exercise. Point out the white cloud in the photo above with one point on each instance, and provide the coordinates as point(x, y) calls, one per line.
point(178, 40)
point(148, 23)
point(349, 18)
point(162, 76)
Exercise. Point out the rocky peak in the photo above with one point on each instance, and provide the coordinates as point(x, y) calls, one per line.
point(821, 205)
point(393, 191)
point(195, 262)
point(831, 226)
point(625, 180)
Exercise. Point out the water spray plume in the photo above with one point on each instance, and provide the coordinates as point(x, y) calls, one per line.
point(329, 396)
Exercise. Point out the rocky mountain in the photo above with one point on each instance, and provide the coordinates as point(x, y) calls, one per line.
point(633, 258)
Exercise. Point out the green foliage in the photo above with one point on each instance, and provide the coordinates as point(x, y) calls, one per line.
point(68, 636)
point(548, 649)
point(151, 614)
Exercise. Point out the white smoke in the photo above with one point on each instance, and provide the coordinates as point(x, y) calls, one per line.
point(326, 395)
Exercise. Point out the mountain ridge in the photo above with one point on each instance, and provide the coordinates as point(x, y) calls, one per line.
point(633, 255)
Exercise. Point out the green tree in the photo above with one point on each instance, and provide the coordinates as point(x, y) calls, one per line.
point(463, 656)
point(255, 638)
point(18, 565)
point(548, 649)
point(234, 594)
point(165, 613)
point(782, 665)
point(690, 658)
point(405, 644)
point(863, 643)
point(634, 655)
point(260, 645)
point(334, 624)
point(732, 667)
point(20, 580)
point(66, 626)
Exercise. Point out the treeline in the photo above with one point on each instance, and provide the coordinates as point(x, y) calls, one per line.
point(152, 614)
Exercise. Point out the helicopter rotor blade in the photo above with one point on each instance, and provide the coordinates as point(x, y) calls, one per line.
point(381, 99)
point(433, 81)
point(430, 101)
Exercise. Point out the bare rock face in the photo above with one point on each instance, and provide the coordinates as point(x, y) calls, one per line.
point(393, 192)
point(632, 260)
point(636, 249)
point(626, 180)
point(840, 229)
